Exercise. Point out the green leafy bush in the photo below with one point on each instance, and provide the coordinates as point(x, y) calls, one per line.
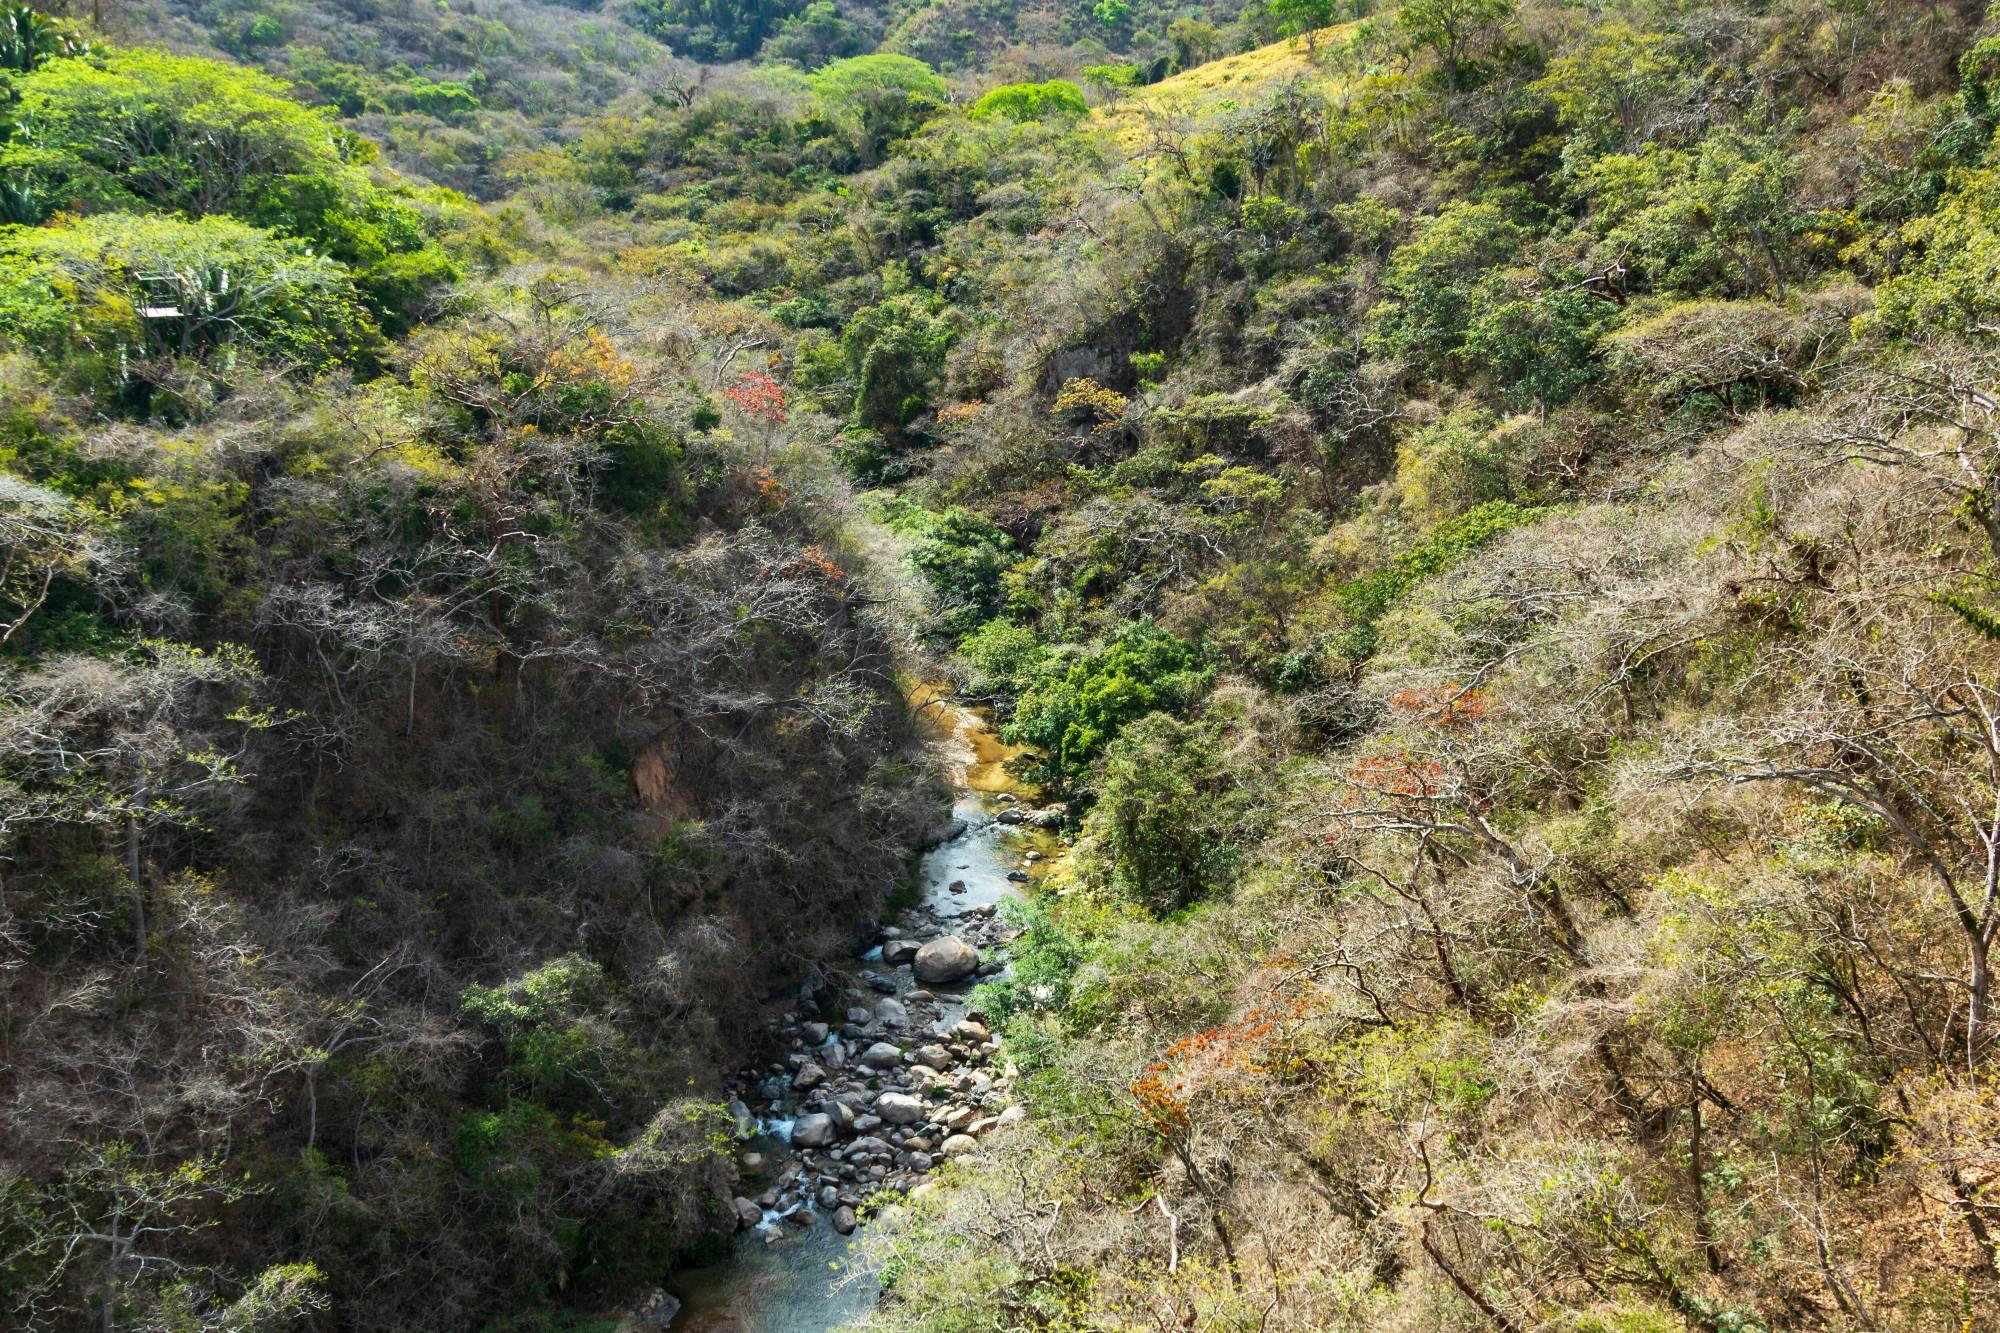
point(115, 298)
point(1054, 100)
point(1073, 707)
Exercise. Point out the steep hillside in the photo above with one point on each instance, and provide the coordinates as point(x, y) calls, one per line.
point(430, 732)
point(1487, 514)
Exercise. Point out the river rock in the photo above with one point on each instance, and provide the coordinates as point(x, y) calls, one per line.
point(899, 1108)
point(945, 959)
point(1013, 1115)
point(968, 1030)
point(844, 1220)
point(882, 1055)
point(746, 1124)
point(812, 1131)
point(814, 1033)
point(748, 1214)
point(897, 952)
point(933, 1056)
point(810, 1076)
point(655, 1313)
point(958, 1145)
point(892, 1013)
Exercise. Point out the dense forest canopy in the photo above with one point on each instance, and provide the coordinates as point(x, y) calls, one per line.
point(1486, 511)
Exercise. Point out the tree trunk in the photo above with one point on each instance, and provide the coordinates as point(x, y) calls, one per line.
point(1697, 1168)
point(1979, 982)
point(138, 885)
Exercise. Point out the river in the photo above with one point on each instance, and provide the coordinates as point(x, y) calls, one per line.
point(781, 1277)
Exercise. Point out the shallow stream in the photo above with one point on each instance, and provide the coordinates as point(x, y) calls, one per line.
point(783, 1277)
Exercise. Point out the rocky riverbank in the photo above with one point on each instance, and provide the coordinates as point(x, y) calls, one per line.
point(880, 1073)
point(901, 1078)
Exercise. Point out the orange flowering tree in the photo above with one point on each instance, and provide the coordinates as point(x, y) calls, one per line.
point(1207, 1071)
point(1422, 808)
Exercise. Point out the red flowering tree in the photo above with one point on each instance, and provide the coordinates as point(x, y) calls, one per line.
point(759, 397)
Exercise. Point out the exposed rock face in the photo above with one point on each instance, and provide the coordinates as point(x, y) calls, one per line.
point(945, 959)
point(657, 783)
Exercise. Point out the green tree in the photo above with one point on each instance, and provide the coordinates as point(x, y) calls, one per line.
point(143, 131)
point(1193, 42)
point(1304, 18)
point(1453, 465)
point(1538, 342)
point(560, 1050)
point(1434, 283)
point(1605, 89)
point(1161, 830)
point(814, 37)
point(895, 353)
point(1075, 706)
point(882, 97)
point(29, 37)
point(962, 555)
point(138, 130)
point(1054, 100)
point(1457, 32)
point(1952, 281)
point(1721, 218)
point(710, 29)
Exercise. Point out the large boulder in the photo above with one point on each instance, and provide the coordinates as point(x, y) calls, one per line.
point(899, 1108)
point(812, 1131)
point(945, 959)
point(882, 1055)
